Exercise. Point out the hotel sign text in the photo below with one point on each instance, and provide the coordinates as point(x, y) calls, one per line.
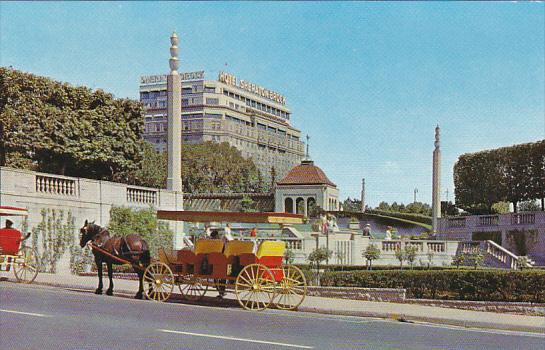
point(230, 79)
point(155, 79)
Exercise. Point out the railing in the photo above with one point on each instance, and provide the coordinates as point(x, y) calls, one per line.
point(56, 185)
point(390, 246)
point(491, 220)
point(503, 255)
point(138, 195)
point(523, 219)
point(472, 247)
point(456, 222)
point(291, 243)
point(436, 247)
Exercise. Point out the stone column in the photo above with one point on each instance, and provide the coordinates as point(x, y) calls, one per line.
point(363, 195)
point(305, 202)
point(436, 186)
point(174, 112)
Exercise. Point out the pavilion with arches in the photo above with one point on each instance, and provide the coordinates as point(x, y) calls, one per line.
point(306, 186)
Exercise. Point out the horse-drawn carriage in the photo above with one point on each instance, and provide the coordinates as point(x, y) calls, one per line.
point(255, 273)
point(13, 253)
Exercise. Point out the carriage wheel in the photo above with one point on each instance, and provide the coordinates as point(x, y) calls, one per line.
point(192, 288)
point(292, 288)
point(255, 287)
point(158, 281)
point(26, 265)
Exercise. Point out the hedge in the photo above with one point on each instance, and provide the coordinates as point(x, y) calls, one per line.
point(481, 285)
point(363, 268)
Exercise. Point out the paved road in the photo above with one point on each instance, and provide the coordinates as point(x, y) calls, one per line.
point(35, 317)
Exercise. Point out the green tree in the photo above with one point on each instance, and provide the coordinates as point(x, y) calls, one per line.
point(371, 253)
point(478, 259)
point(247, 204)
point(400, 255)
point(318, 256)
point(352, 205)
point(69, 130)
point(212, 167)
point(143, 222)
point(289, 256)
point(458, 260)
point(410, 254)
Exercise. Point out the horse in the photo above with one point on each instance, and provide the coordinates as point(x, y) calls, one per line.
point(130, 248)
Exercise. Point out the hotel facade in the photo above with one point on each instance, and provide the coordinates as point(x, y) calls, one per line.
point(251, 118)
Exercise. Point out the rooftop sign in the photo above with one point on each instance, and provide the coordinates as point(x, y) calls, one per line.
point(230, 79)
point(157, 79)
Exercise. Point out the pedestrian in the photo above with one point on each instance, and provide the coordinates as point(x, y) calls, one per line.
point(228, 236)
point(207, 231)
point(388, 233)
point(253, 232)
point(367, 230)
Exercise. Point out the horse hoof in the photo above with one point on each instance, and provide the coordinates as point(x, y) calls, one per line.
point(138, 296)
point(109, 292)
point(98, 291)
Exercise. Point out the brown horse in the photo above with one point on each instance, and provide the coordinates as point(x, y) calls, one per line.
point(129, 248)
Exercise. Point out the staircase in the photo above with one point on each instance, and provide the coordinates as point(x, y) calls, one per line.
point(495, 254)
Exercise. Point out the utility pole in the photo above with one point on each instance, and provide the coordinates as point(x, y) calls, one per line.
point(415, 192)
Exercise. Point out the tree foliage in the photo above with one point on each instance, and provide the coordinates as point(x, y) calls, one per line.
point(512, 174)
point(371, 253)
point(143, 222)
point(54, 127)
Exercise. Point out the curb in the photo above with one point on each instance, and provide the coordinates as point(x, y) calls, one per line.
point(433, 320)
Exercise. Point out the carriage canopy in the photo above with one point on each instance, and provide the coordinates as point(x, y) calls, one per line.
point(214, 216)
point(13, 211)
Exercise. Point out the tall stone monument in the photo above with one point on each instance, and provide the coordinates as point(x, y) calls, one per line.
point(363, 195)
point(174, 137)
point(174, 110)
point(436, 186)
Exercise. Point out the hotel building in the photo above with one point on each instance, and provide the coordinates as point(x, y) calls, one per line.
point(253, 119)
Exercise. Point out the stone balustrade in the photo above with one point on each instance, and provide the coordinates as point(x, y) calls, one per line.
point(56, 185)
point(140, 195)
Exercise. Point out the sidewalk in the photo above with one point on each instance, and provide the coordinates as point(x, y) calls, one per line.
point(407, 312)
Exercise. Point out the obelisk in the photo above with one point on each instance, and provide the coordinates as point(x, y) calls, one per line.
point(436, 185)
point(174, 138)
point(174, 110)
point(363, 195)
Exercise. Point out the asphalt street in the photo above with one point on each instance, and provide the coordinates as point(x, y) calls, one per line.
point(37, 317)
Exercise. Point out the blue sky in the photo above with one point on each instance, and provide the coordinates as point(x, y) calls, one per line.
point(367, 81)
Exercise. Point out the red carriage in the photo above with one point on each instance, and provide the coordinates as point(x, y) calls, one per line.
point(13, 253)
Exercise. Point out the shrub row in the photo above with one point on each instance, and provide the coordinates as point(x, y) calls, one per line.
point(481, 285)
point(331, 267)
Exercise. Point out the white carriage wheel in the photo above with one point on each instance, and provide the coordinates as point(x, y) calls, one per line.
point(158, 282)
point(255, 287)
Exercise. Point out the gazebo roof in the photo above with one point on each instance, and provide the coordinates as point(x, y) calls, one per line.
point(306, 173)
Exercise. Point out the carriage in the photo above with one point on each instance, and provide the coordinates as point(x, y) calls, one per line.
point(13, 253)
point(255, 273)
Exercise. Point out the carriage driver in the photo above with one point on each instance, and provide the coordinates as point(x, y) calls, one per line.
point(9, 224)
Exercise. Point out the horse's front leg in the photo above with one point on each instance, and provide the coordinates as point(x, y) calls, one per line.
point(110, 290)
point(98, 261)
point(139, 294)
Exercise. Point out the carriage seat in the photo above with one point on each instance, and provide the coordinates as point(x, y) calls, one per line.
point(10, 239)
point(269, 253)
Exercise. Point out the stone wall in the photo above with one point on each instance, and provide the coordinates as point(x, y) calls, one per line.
point(86, 199)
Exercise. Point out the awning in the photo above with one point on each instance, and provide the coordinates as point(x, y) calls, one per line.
point(235, 217)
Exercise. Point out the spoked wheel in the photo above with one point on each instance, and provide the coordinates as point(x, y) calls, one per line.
point(292, 288)
point(255, 287)
point(192, 288)
point(158, 281)
point(26, 265)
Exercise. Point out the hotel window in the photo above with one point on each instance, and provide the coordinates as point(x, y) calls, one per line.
point(212, 101)
point(187, 90)
point(210, 89)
